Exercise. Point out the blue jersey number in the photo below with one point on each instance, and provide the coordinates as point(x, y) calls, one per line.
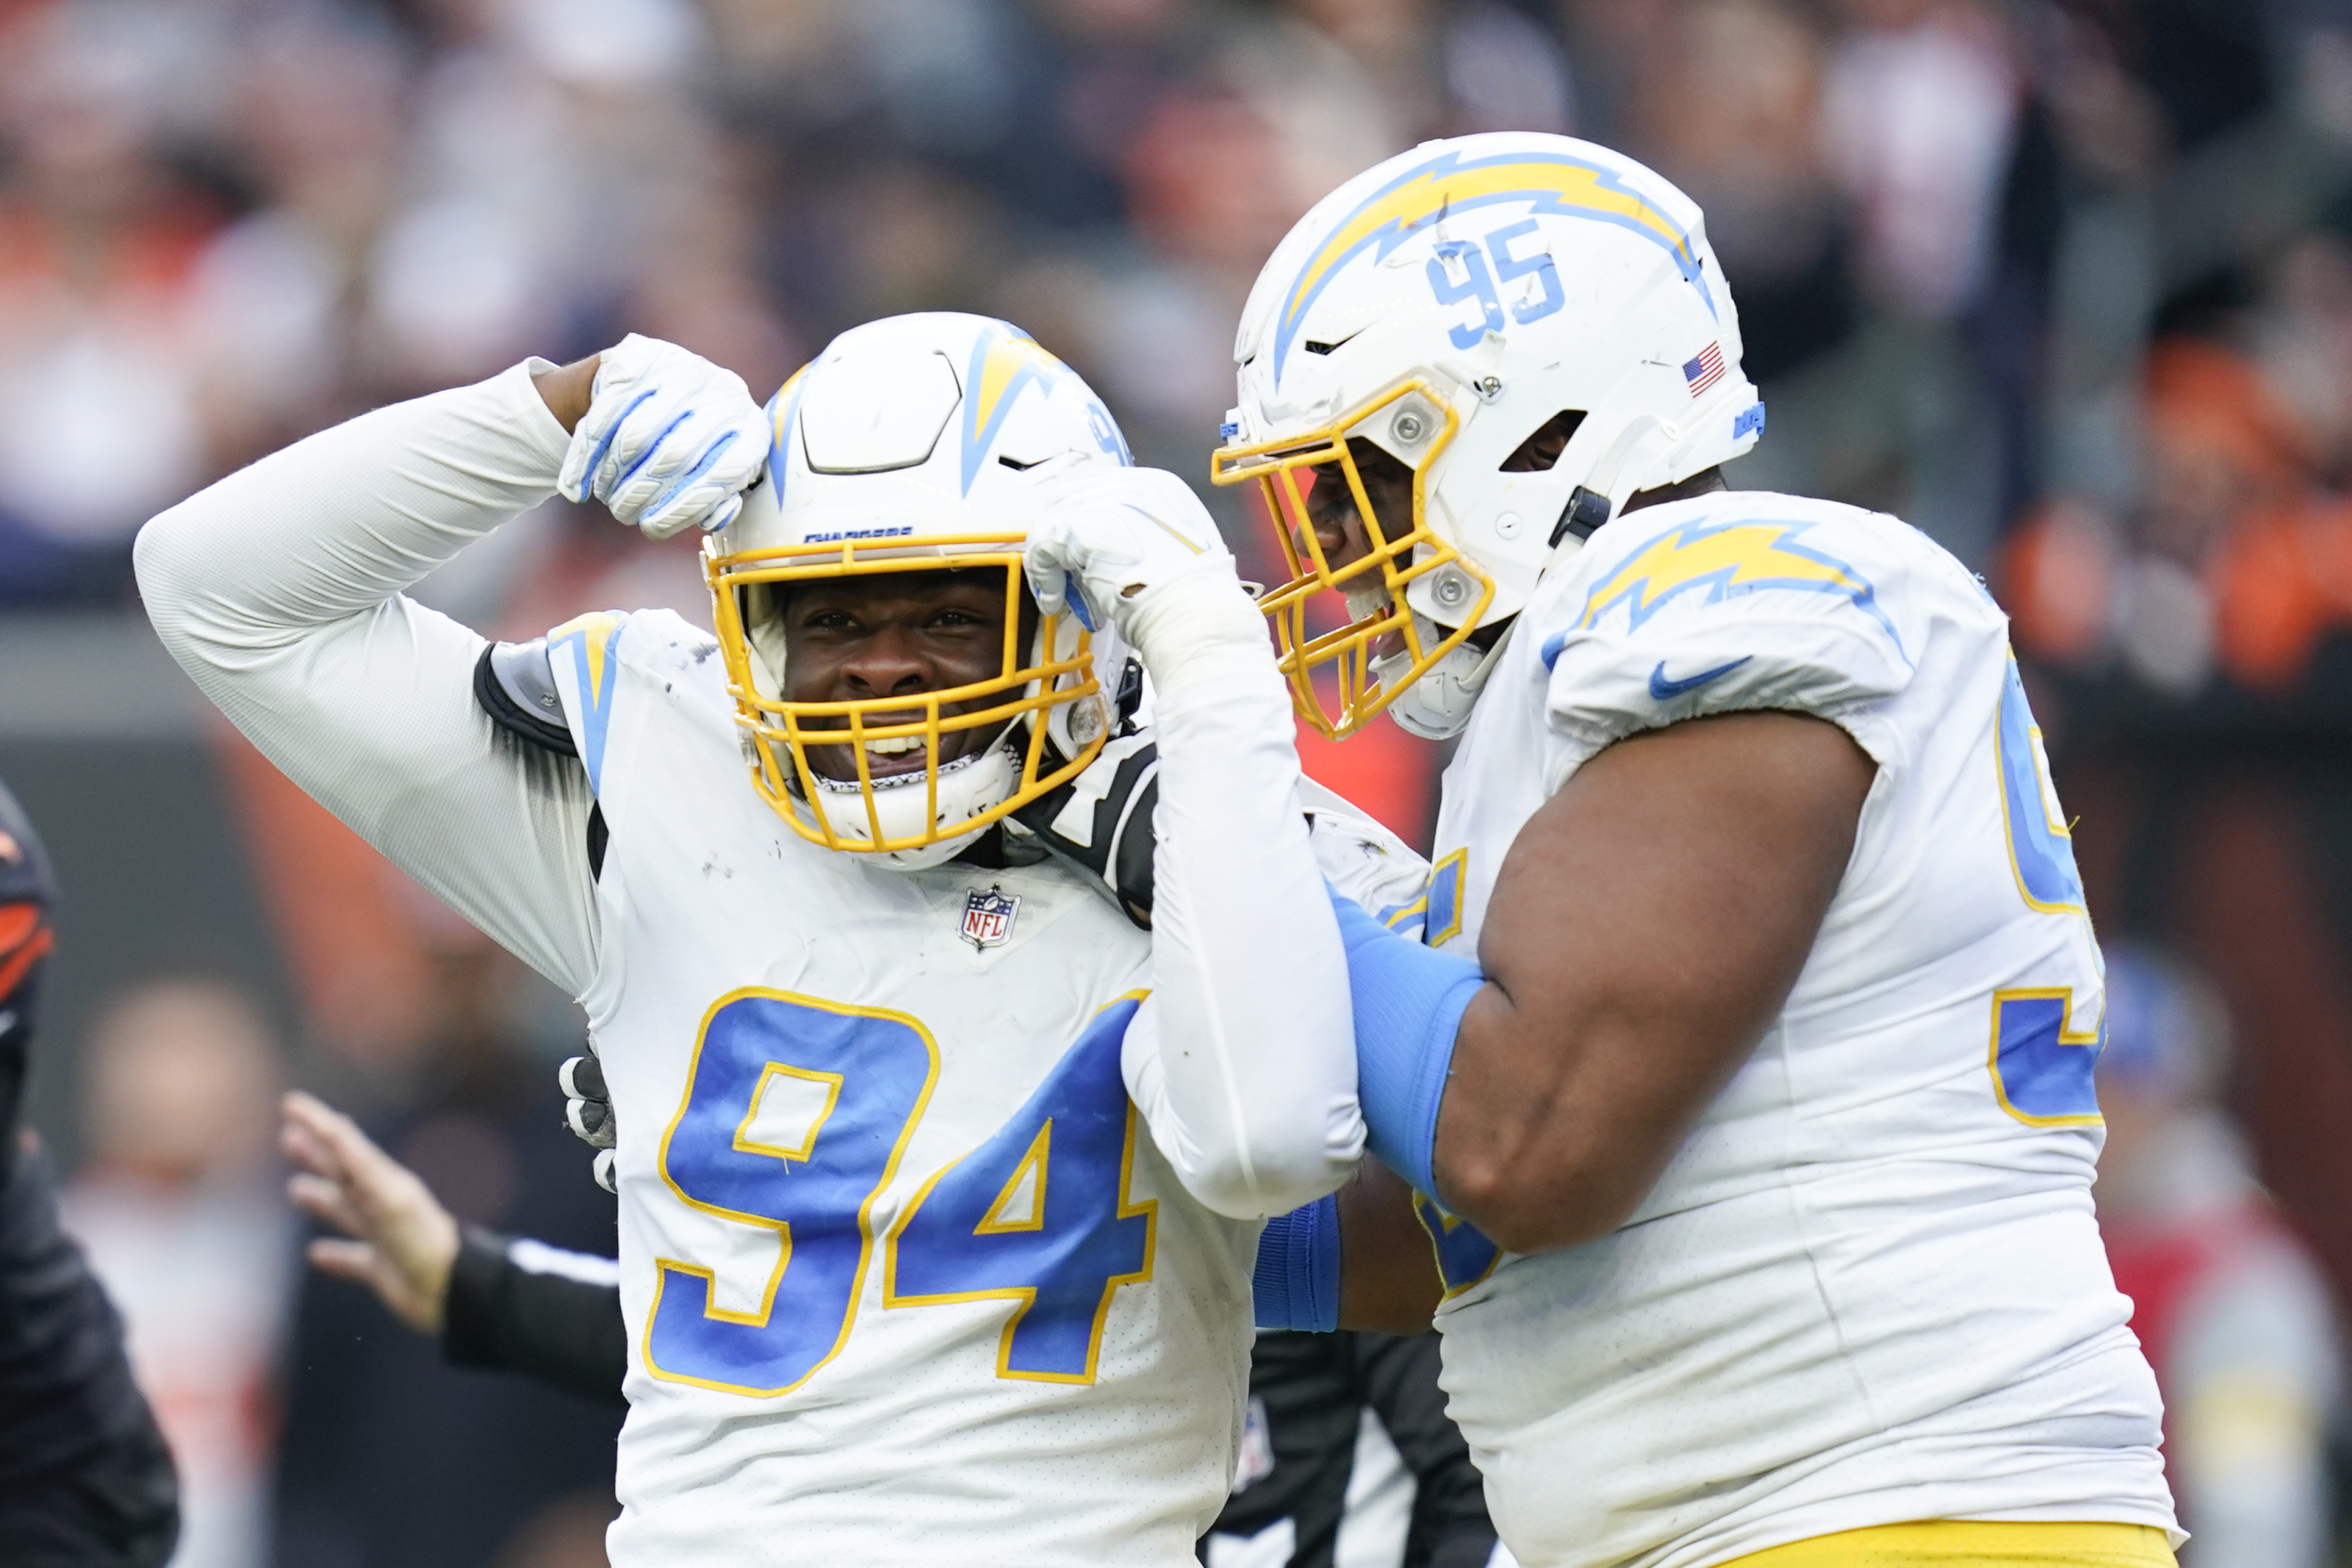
point(2041, 850)
point(863, 1076)
point(1040, 1215)
point(1435, 917)
point(2042, 1068)
point(1464, 1256)
point(796, 1113)
point(2041, 1071)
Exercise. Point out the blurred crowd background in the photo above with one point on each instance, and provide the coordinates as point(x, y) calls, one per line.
point(2068, 283)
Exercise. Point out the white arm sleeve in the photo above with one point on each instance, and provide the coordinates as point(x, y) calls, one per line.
point(278, 591)
point(1244, 1058)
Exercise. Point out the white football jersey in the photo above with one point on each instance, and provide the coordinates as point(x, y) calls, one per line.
point(905, 1280)
point(1869, 1288)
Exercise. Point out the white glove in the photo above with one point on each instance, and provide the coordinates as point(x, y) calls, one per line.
point(667, 441)
point(1110, 540)
point(1136, 547)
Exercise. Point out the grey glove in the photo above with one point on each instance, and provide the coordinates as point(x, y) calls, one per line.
point(588, 1111)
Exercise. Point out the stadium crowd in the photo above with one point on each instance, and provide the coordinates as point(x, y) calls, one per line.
point(2067, 283)
point(2070, 278)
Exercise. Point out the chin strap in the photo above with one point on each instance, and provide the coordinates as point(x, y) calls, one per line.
point(1437, 706)
point(1585, 512)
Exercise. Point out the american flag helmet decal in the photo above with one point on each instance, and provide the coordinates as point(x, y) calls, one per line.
point(1705, 370)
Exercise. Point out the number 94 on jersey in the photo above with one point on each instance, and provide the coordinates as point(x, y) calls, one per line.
point(1040, 1215)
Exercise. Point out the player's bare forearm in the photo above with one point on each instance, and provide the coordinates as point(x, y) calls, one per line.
point(1388, 1272)
point(569, 390)
point(1643, 933)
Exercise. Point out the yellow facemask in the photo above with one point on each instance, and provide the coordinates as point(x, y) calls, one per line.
point(868, 817)
point(1400, 552)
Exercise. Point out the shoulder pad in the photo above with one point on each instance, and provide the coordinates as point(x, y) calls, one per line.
point(515, 684)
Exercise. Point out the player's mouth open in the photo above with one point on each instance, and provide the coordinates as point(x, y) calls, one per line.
point(1342, 542)
point(1374, 603)
point(899, 755)
point(1369, 600)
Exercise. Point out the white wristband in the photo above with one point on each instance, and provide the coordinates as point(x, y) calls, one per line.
point(1199, 627)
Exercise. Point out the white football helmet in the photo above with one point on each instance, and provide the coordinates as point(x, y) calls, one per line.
point(1446, 306)
point(915, 444)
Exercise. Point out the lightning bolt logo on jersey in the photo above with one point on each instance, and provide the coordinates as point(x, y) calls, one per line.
point(1718, 562)
point(1873, 1260)
point(885, 1208)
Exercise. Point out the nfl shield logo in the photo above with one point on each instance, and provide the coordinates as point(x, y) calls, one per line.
point(988, 918)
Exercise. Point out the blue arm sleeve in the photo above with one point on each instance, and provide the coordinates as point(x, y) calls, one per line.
point(1297, 1282)
point(1409, 1001)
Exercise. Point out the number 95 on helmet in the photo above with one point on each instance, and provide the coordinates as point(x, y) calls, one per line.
point(906, 459)
point(1452, 370)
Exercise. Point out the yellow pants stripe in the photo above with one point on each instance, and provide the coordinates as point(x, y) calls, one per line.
point(1973, 1543)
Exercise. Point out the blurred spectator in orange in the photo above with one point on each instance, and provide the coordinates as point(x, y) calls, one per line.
point(179, 1210)
point(2282, 579)
point(2055, 578)
point(2228, 1303)
point(2239, 557)
point(2220, 448)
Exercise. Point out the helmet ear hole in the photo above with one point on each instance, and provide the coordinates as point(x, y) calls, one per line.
point(1541, 449)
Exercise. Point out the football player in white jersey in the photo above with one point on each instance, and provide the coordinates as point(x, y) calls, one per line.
point(904, 1283)
point(1759, 1156)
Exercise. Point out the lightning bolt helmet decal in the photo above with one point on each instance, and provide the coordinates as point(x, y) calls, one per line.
point(1554, 184)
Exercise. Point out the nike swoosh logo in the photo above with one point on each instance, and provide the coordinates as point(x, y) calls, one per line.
point(1664, 690)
